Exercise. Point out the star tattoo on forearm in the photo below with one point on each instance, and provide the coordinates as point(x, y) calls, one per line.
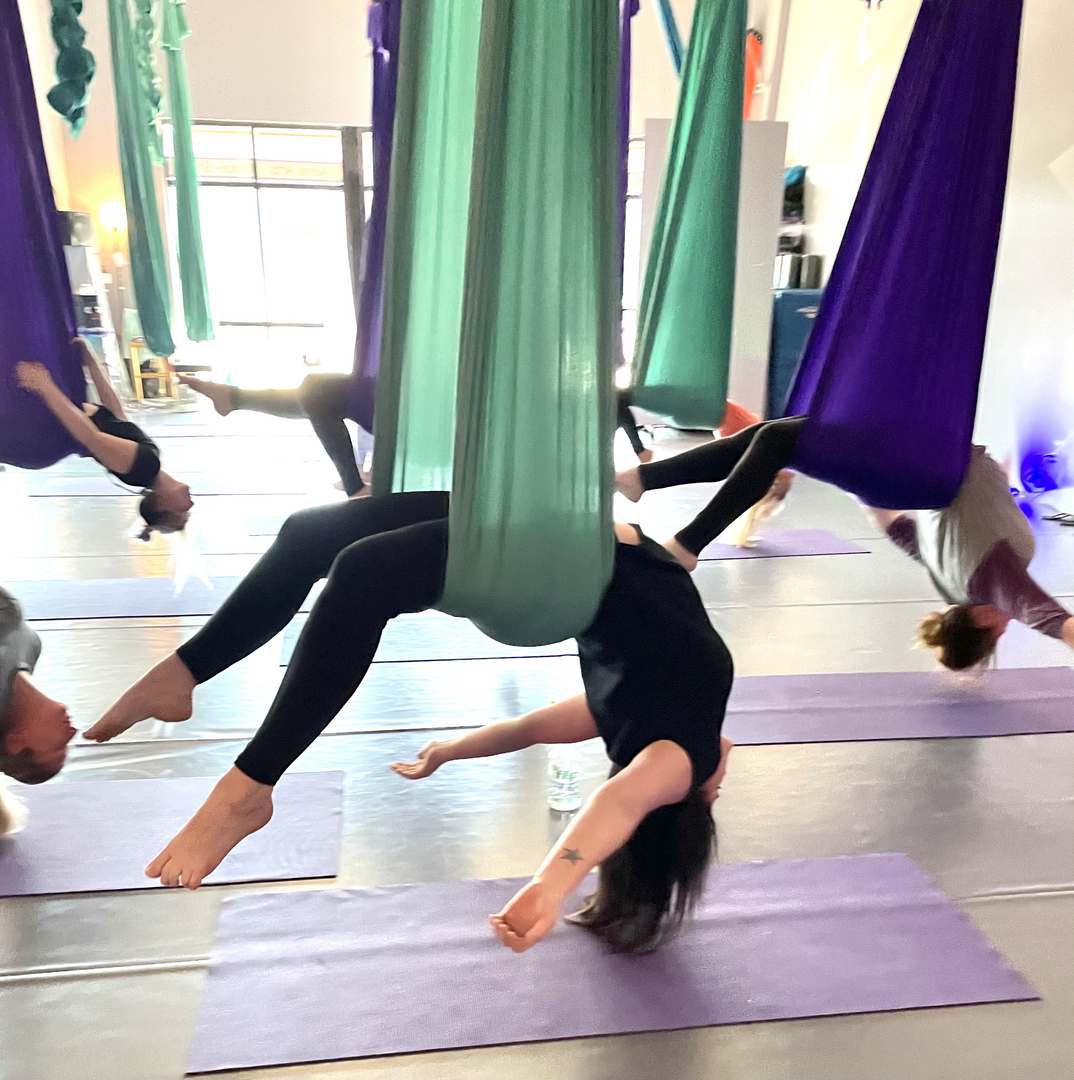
point(572, 855)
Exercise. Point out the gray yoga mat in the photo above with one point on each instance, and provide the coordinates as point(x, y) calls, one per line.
point(350, 974)
point(435, 636)
point(118, 598)
point(781, 543)
point(98, 836)
point(899, 705)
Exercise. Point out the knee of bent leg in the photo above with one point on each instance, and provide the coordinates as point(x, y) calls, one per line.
point(778, 439)
point(364, 567)
point(299, 528)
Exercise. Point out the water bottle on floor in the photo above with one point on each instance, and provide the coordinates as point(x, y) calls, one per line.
point(564, 773)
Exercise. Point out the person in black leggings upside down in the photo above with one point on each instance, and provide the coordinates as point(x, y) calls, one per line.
point(323, 399)
point(749, 462)
point(656, 675)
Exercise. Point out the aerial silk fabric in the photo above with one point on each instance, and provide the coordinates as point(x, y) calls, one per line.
point(38, 320)
point(627, 10)
point(754, 50)
point(195, 286)
point(530, 539)
point(684, 322)
point(75, 65)
point(425, 251)
point(890, 375)
point(384, 34)
point(148, 265)
point(500, 302)
point(671, 33)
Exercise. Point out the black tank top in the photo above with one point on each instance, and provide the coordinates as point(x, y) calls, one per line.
point(147, 457)
point(652, 664)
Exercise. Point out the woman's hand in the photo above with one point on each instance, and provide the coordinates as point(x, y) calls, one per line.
point(429, 760)
point(33, 377)
point(528, 916)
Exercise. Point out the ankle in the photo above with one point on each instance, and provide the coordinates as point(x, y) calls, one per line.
point(236, 787)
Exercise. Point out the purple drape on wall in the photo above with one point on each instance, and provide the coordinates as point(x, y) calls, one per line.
point(890, 374)
point(627, 10)
point(384, 34)
point(37, 318)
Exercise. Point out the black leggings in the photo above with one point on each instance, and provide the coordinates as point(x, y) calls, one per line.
point(382, 557)
point(321, 399)
point(748, 461)
point(624, 418)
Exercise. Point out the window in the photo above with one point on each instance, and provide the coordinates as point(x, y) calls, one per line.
point(274, 233)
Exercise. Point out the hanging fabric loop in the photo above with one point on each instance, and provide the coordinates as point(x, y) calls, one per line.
point(38, 320)
point(500, 275)
point(684, 322)
point(890, 375)
point(530, 539)
point(149, 268)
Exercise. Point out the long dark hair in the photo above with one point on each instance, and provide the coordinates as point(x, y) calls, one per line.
point(647, 887)
point(153, 517)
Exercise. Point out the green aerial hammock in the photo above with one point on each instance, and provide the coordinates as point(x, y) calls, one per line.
point(499, 305)
point(684, 321)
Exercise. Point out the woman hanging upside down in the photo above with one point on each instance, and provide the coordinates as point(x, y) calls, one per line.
point(122, 447)
point(977, 552)
point(752, 463)
point(657, 677)
point(322, 399)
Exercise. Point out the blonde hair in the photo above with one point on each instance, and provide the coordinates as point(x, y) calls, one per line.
point(12, 813)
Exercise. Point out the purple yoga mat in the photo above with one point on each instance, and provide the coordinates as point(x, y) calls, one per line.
point(780, 543)
point(98, 836)
point(119, 598)
point(899, 705)
point(416, 968)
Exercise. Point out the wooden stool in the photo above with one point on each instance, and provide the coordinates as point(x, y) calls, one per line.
point(160, 366)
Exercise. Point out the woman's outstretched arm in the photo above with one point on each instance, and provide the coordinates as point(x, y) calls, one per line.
point(562, 722)
point(105, 391)
point(659, 775)
point(116, 455)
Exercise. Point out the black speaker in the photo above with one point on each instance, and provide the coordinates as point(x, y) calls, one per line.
point(76, 229)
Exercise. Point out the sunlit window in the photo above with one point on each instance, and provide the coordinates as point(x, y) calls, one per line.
point(274, 233)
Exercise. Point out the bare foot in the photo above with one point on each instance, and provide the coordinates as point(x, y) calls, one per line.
point(628, 483)
point(236, 807)
point(164, 692)
point(645, 455)
point(431, 757)
point(687, 558)
point(218, 393)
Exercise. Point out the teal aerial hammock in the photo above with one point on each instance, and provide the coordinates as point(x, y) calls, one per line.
point(499, 307)
point(684, 321)
point(149, 267)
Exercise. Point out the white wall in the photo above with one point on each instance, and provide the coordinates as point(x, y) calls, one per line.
point(42, 53)
point(277, 60)
point(760, 206)
point(839, 65)
point(654, 86)
point(1028, 382)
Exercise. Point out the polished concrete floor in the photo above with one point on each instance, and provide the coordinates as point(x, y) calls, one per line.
point(107, 985)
